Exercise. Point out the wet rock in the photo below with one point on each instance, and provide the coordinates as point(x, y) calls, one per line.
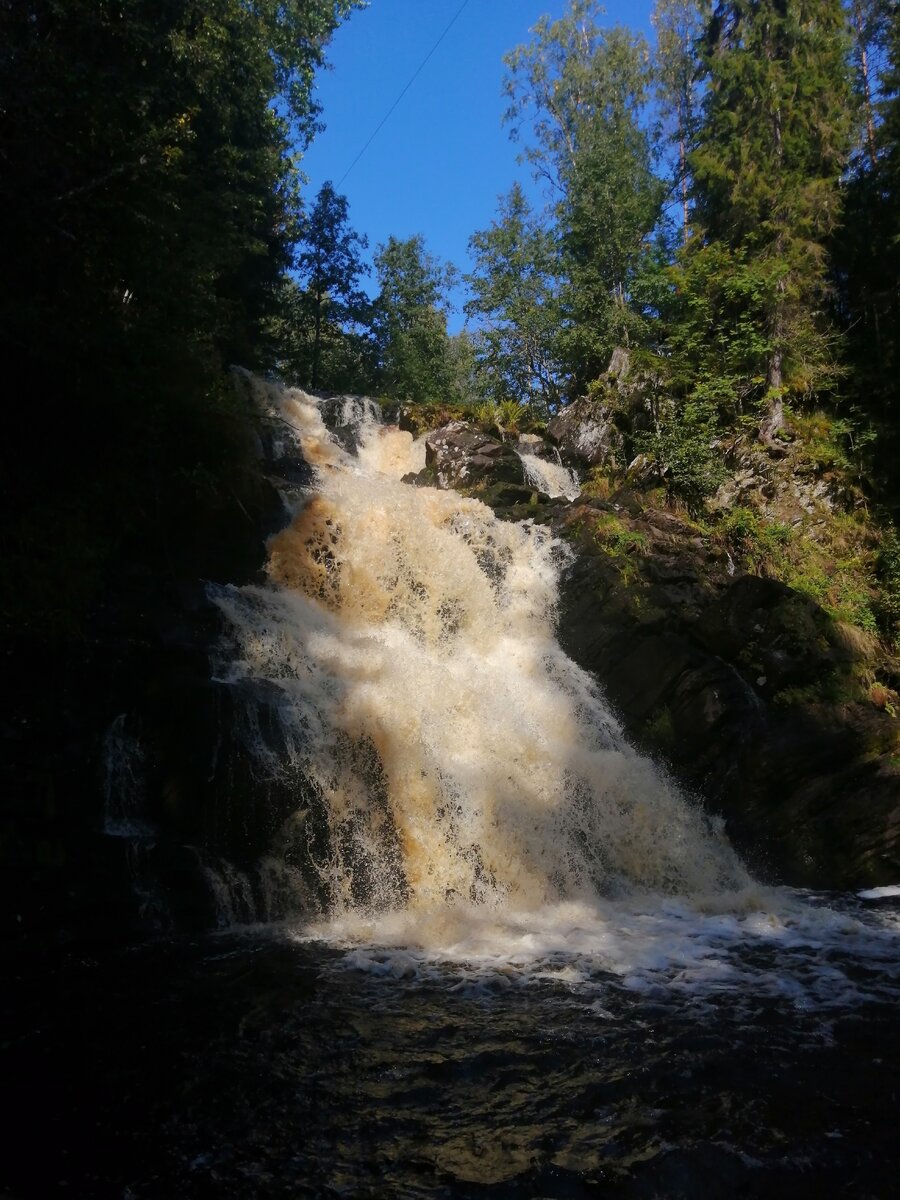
point(515, 500)
point(534, 444)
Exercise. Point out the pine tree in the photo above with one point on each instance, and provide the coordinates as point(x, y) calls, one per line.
point(767, 164)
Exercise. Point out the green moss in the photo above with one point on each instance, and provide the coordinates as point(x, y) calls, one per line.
point(833, 562)
point(659, 728)
point(614, 537)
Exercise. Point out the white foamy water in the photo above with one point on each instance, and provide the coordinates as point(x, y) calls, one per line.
point(761, 946)
point(551, 478)
point(476, 807)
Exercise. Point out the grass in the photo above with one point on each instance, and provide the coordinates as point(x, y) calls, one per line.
point(834, 562)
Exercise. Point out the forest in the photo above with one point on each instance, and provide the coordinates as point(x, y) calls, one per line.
point(723, 204)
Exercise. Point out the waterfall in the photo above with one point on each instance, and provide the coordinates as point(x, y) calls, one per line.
point(552, 478)
point(453, 755)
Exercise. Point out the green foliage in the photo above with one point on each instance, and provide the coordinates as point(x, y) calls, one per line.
point(866, 247)
point(410, 323)
point(149, 197)
point(718, 345)
point(659, 729)
point(321, 315)
point(515, 299)
point(682, 447)
point(757, 541)
point(582, 90)
point(616, 538)
point(888, 598)
point(837, 567)
point(767, 161)
point(678, 25)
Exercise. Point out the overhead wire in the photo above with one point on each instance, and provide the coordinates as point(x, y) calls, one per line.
point(412, 79)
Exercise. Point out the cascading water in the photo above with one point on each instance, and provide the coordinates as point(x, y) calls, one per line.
point(552, 478)
point(464, 792)
point(461, 759)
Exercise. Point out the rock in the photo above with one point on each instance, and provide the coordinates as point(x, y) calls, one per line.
point(504, 496)
point(744, 687)
point(460, 457)
point(773, 632)
point(596, 428)
point(586, 432)
point(534, 444)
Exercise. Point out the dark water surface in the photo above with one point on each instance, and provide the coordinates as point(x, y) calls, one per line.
point(252, 1065)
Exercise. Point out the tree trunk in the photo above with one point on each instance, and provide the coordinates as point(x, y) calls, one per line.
point(317, 344)
point(773, 420)
point(867, 88)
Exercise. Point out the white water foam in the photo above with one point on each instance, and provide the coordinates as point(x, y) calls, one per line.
point(551, 478)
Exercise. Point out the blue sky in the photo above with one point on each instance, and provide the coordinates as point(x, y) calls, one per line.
point(442, 158)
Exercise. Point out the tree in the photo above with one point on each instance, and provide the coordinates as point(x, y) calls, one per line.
point(515, 295)
point(870, 20)
point(678, 25)
point(410, 322)
point(583, 89)
point(149, 196)
point(767, 164)
point(326, 305)
point(866, 247)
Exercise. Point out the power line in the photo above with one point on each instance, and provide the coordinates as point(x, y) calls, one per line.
point(412, 80)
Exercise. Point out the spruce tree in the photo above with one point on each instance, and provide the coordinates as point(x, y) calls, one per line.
point(329, 302)
point(410, 322)
point(767, 163)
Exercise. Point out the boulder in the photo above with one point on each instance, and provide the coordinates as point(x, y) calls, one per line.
point(458, 456)
point(587, 432)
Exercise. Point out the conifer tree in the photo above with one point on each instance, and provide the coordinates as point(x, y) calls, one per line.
point(329, 301)
point(410, 322)
point(767, 163)
point(867, 246)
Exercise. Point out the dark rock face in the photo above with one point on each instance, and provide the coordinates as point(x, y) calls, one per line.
point(768, 626)
point(460, 456)
point(703, 669)
point(77, 865)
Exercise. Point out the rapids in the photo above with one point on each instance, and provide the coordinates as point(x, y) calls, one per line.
point(462, 762)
